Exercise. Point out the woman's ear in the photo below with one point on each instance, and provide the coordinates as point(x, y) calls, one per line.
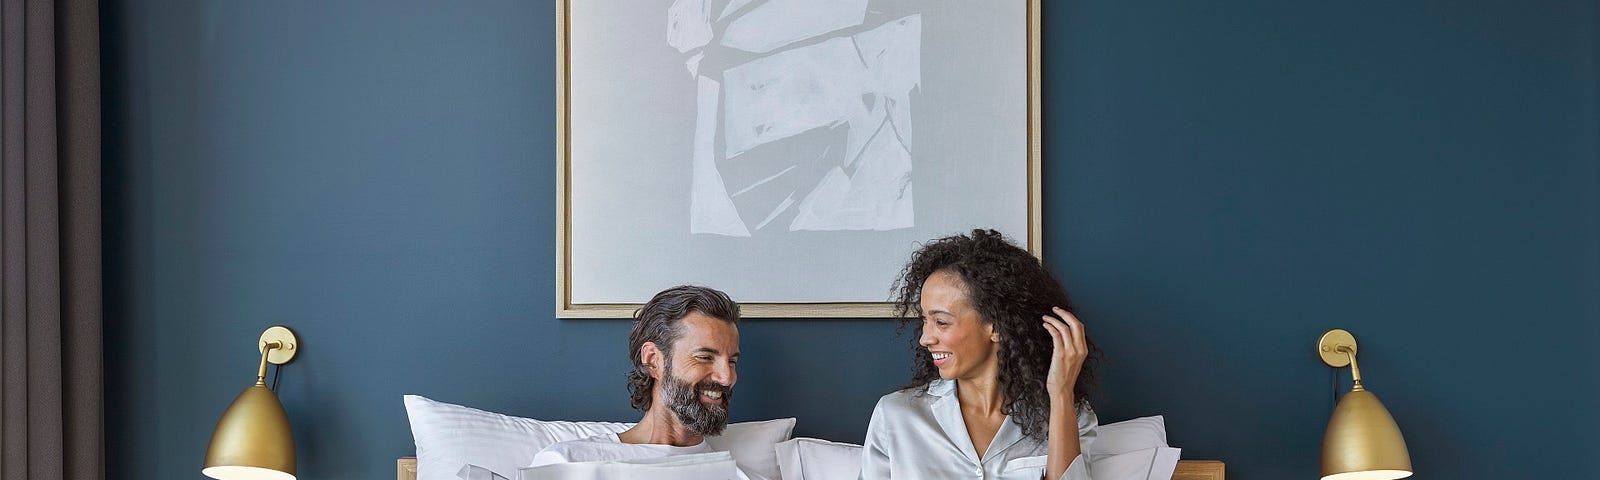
point(651, 357)
point(994, 334)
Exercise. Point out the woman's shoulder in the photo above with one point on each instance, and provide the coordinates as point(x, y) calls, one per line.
point(915, 396)
point(899, 398)
point(906, 409)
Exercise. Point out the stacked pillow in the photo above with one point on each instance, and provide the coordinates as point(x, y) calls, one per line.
point(1134, 449)
point(450, 437)
point(753, 444)
point(814, 459)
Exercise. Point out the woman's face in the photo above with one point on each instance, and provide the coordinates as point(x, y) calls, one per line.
point(960, 343)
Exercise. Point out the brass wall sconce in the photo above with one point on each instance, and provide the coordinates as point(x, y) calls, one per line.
point(252, 439)
point(1362, 441)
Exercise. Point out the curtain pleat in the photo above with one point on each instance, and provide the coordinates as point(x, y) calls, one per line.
point(51, 393)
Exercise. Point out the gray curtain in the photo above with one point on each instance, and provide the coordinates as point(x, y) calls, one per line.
point(51, 395)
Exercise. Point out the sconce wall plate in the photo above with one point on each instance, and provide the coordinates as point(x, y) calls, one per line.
point(1328, 347)
point(288, 344)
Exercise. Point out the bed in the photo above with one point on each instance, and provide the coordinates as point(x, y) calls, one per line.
point(451, 436)
point(1187, 469)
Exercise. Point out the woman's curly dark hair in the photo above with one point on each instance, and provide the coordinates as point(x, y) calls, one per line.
point(1011, 290)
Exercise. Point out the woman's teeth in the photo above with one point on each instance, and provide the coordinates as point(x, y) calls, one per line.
point(940, 355)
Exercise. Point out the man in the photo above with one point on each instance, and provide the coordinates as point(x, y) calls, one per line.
point(684, 345)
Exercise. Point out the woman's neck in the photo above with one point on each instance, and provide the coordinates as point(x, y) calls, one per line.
point(980, 394)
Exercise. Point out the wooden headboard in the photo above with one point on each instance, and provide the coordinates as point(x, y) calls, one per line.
point(1187, 469)
point(1198, 470)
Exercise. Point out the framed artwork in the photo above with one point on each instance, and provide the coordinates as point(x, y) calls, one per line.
point(792, 153)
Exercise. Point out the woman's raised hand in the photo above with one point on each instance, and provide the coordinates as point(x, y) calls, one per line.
point(1067, 359)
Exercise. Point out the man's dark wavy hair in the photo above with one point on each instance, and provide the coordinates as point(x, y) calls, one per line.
point(659, 321)
point(1011, 290)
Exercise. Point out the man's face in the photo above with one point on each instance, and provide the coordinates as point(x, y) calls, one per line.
point(700, 373)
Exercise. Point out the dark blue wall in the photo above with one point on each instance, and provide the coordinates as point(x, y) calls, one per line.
point(1224, 181)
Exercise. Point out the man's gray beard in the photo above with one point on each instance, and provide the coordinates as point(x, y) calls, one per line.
point(684, 401)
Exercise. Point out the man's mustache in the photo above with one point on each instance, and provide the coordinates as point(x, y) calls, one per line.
point(710, 386)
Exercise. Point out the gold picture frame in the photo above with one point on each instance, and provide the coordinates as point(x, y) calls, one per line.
point(567, 308)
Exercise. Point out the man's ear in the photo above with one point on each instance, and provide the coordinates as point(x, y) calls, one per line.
point(652, 358)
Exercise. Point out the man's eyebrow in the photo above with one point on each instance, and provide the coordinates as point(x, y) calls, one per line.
point(714, 351)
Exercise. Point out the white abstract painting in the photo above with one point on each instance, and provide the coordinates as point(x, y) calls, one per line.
point(851, 77)
point(772, 148)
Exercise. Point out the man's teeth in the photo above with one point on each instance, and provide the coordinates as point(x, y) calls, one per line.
point(713, 394)
point(940, 355)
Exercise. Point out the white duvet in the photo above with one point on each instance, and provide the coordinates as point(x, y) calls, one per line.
point(702, 466)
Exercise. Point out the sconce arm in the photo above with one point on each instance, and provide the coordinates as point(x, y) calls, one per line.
point(1355, 371)
point(261, 373)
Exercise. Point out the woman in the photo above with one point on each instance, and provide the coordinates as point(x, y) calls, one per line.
point(1001, 373)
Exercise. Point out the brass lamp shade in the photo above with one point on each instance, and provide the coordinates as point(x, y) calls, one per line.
point(252, 440)
point(1362, 441)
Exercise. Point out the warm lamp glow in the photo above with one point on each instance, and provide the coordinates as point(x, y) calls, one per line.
point(245, 473)
point(1369, 475)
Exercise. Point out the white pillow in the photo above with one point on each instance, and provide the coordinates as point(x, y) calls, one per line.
point(751, 444)
point(1165, 462)
point(814, 459)
point(449, 437)
point(1155, 463)
point(1133, 449)
point(474, 472)
point(1129, 436)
